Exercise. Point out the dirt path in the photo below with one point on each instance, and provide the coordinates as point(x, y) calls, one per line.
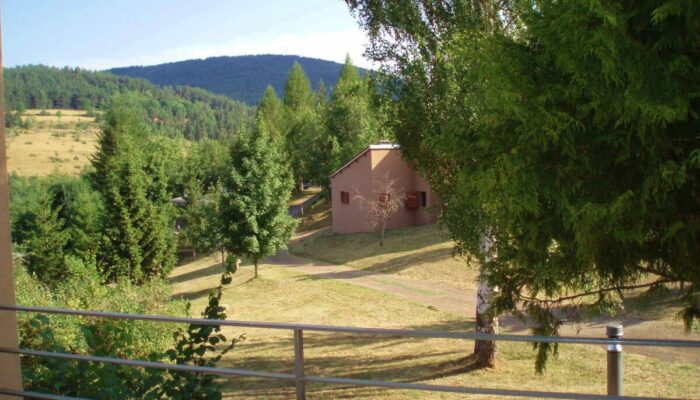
point(440, 296)
point(462, 302)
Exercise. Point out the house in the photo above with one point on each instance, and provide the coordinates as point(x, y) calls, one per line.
point(360, 176)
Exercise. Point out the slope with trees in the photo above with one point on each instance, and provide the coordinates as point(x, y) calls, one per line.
point(243, 78)
point(188, 112)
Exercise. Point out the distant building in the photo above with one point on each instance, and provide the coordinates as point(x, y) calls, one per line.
point(359, 176)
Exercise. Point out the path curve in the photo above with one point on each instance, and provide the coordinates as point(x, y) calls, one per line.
point(462, 302)
point(440, 296)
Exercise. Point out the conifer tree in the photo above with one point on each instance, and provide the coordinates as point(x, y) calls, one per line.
point(47, 242)
point(271, 110)
point(299, 112)
point(137, 241)
point(254, 202)
point(350, 116)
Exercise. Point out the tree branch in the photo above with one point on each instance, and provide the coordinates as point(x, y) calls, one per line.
point(593, 292)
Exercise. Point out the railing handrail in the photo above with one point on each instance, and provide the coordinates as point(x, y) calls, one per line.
point(360, 330)
point(614, 343)
point(323, 379)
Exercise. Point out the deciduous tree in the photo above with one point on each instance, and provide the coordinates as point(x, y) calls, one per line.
point(254, 202)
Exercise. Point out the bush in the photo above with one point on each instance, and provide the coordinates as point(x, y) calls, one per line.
point(83, 289)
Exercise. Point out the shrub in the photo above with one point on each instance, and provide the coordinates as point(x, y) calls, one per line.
point(83, 289)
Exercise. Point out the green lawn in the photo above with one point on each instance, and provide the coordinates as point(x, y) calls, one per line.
point(423, 253)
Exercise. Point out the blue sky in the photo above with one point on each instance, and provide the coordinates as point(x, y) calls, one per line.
point(100, 34)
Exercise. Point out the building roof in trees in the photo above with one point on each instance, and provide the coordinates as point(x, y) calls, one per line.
point(380, 146)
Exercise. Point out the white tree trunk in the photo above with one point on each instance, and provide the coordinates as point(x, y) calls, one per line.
point(485, 350)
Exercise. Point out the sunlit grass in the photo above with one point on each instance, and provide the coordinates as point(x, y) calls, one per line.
point(284, 295)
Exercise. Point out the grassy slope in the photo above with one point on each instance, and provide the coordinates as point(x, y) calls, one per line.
point(54, 144)
point(423, 253)
point(285, 295)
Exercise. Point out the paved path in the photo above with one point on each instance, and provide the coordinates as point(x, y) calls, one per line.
point(441, 296)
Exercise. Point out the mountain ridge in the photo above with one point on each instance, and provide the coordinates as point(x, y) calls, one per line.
point(242, 78)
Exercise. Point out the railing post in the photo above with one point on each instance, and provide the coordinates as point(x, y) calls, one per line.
point(299, 364)
point(614, 331)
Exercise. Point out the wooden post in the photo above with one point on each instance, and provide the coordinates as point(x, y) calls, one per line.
point(10, 377)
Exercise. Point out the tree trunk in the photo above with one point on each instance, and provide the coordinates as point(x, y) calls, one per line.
point(486, 322)
point(255, 262)
point(381, 235)
point(223, 257)
point(300, 184)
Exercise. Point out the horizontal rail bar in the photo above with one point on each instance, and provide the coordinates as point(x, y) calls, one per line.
point(152, 364)
point(362, 331)
point(36, 395)
point(320, 379)
point(474, 390)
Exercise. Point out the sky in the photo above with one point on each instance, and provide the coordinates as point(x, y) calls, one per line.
point(101, 34)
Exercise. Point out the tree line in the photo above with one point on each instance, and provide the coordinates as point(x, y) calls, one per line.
point(113, 230)
point(322, 131)
point(179, 111)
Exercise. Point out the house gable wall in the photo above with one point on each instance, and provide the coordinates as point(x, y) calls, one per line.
point(359, 177)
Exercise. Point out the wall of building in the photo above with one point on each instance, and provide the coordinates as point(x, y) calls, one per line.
point(366, 174)
point(388, 164)
point(356, 179)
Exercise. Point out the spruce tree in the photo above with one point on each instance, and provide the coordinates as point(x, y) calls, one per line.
point(137, 242)
point(47, 241)
point(254, 202)
point(351, 118)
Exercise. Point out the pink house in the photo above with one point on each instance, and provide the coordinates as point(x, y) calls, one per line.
point(359, 177)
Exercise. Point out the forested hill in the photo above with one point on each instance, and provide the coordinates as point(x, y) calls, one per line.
point(190, 112)
point(242, 78)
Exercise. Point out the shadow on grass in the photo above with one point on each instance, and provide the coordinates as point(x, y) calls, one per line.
point(366, 244)
point(398, 264)
point(372, 357)
point(213, 269)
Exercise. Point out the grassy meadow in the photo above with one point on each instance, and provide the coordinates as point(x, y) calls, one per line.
point(281, 294)
point(422, 253)
point(52, 144)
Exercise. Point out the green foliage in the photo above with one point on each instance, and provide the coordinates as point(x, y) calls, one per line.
point(198, 346)
point(567, 128)
point(201, 217)
point(176, 112)
point(137, 240)
point(272, 111)
point(256, 191)
point(352, 120)
point(83, 289)
point(54, 217)
point(46, 242)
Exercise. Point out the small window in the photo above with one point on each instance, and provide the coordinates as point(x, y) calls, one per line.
point(423, 199)
point(345, 197)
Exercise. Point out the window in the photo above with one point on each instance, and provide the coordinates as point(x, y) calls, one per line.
point(345, 197)
point(423, 199)
point(412, 200)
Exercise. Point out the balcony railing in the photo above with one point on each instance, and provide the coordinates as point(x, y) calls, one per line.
point(613, 341)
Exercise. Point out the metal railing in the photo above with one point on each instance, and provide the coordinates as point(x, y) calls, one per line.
point(614, 343)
